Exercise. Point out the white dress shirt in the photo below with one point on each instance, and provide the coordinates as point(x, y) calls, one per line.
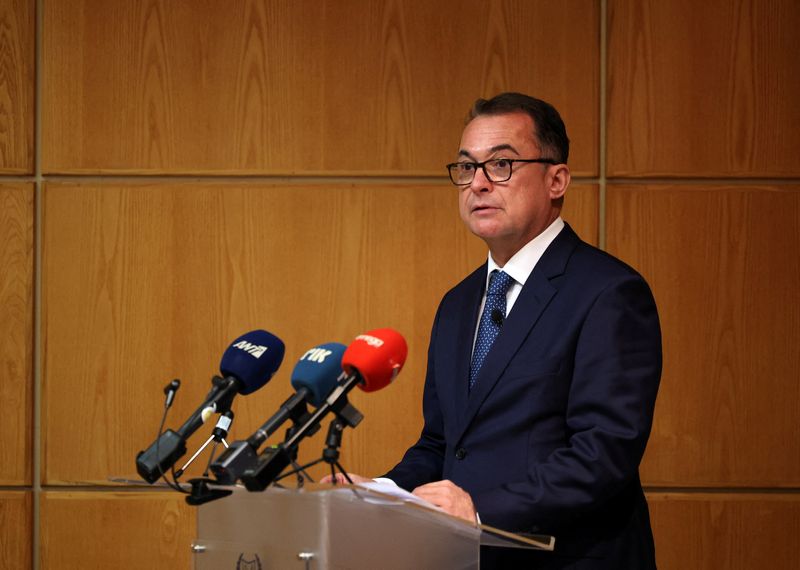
point(520, 265)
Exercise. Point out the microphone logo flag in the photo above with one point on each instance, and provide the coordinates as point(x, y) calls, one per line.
point(252, 349)
point(370, 340)
point(316, 355)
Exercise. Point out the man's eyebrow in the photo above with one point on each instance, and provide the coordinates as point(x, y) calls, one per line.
point(504, 146)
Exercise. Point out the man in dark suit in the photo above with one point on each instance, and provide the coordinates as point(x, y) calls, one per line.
point(543, 364)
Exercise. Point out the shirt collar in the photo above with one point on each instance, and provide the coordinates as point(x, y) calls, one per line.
point(521, 264)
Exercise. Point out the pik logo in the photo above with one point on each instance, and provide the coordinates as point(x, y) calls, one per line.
point(370, 340)
point(254, 564)
point(254, 349)
point(317, 355)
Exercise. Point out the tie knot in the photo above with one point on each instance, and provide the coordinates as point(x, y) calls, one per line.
point(499, 282)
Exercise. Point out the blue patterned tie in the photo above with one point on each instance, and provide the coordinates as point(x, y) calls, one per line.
point(499, 282)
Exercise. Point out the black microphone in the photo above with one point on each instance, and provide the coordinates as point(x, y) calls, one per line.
point(247, 364)
point(497, 317)
point(170, 390)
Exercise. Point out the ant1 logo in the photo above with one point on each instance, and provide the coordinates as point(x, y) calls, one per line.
point(254, 564)
point(255, 349)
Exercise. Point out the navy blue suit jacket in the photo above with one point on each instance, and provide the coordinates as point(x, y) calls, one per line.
point(550, 438)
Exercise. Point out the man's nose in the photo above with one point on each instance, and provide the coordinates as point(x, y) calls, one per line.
point(480, 182)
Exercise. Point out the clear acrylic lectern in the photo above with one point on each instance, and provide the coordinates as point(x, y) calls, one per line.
point(326, 527)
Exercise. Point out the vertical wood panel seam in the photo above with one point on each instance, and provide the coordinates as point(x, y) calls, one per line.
point(601, 199)
point(37, 289)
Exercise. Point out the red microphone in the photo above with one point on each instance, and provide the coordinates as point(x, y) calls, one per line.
point(377, 357)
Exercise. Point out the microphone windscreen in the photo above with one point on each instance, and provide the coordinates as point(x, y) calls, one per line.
point(318, 370)
point(378, 356)
point(252, 359)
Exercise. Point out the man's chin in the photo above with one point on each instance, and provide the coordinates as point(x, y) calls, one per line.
point(486, 230)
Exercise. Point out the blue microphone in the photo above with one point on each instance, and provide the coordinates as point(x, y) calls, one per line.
point(247, 364)
point(314, 377)
point(252, 359)
point(317, 372)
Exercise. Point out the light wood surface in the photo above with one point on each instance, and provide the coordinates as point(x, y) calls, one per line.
point(16, 333)
point(703, 89)
point(302, 87)
point(582, 211)
point(115, 530)
point(16, 86)
point(735, 531)
point(724, 266)
point(146, 283)
point(16, 515)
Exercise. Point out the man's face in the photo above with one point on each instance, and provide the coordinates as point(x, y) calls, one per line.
point(506, 215)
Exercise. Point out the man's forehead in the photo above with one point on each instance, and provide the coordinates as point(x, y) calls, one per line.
point(494, 133)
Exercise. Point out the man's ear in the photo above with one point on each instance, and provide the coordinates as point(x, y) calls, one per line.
point(559, 178)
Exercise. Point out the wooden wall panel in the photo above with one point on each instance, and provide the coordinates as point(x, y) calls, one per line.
point(17, 30)
point(146, 283)
point(16, 332)
point(703, 89)
point(731, 531)
point(724, 266)
point(582, 211)
point(16, 515)
point(115, 530)
point(355, 87)
point(143, 284)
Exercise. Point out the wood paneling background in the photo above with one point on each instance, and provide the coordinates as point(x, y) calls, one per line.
point(724, 266)
point(735, 531)
point(357, 87)
point(206, 169)
point(16, 516)
point(116, 530)
point(16, 333)
point(703, 89)
point(311, 264)
point(17, 31)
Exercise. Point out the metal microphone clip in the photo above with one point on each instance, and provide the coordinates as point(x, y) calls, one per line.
point(220, 431)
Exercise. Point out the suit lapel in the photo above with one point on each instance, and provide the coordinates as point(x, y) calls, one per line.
point(467, 314)
point(528, 308)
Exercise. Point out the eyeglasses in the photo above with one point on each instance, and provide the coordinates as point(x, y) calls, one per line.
point(495, 170)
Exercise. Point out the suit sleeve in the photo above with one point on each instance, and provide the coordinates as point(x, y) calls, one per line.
point(609, 413)
point(423, 462)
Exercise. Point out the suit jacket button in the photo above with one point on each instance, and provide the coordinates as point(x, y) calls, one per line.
point(461, 453)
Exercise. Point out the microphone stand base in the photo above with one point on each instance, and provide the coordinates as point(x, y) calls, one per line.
point(202, 494)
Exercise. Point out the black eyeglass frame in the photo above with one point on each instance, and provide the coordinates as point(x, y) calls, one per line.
point(482, 166)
